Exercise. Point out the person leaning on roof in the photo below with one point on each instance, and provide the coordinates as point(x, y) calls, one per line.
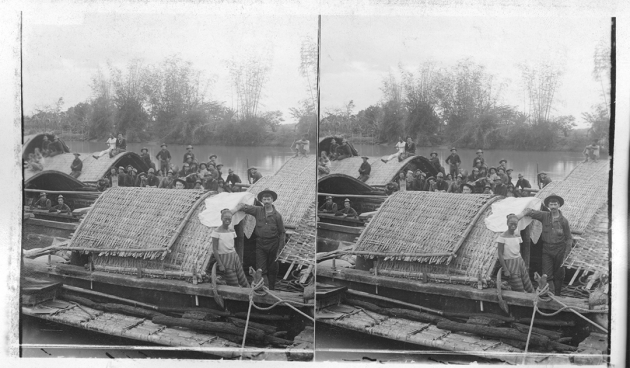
point(132, 175)
point(270, 235)
point(419, 181)
point(499, 187)
point(141, 181)
point(231, 181)
point(453, 161)
point(544, 180)
point(189, 153)
point(556, 240)
point(391, 187)
point(198, 184)
point(347, 211)
point(43, 203)
point(169, 181)
point(344, 150)
point(164, 157)
point(180, 183)
point(467, 188)
point(440, 184)
point(255, 175)
point(456, 185)
point(329, 206)
point(487, 189)
point(123, 179)
point(225, 253)
point(509, 249)
point(400, 150)
point(76, 166)
point(365, 169)
point(60, 207)
point(430, 186)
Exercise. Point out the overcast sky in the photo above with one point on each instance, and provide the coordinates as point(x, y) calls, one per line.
point(62, 51)
point(358, 52)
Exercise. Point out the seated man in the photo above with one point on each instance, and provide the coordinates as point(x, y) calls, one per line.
point(522, 184)
point(43, 203)
point(169, 181)
point(347, 211)
point(255, 175)
point(301, 145)
point(76, 166)
point(102, 184)
point(344, 151)
point(60, 207)
point(544, 180)
point(410, 150)
point(365, 170)
point(231, 181)
point(329, 206)
point(121, 146)
point(332, 151)
point(55, 148)
point(111, 145)
point(141, 181)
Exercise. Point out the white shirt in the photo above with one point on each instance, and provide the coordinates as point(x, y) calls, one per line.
point(226, 241)
point(511, 247)
point(401, 147)
point(111, 142)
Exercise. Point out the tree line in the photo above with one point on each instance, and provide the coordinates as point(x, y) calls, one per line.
point(168, 102)
point(461, 106)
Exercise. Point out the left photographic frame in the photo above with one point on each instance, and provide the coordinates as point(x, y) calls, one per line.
point(168, 186)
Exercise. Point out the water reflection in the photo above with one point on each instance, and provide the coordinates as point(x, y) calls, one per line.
point(557, 164)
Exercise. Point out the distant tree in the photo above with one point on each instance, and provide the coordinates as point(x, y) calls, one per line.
point(599, 121)
point(565, 124)
point(249, 76)
point(602, 68)
point(130, 99)
point(541, 83)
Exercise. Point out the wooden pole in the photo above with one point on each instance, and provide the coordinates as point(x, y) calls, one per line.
point(99, 250)
point(96, 293)
point(397, 255)
point(92, 193)
point(225, 327)
point(384, 196)
point(390, 300)
point(497, 332)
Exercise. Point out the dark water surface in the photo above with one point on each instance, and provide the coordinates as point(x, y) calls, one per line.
point(268, 159)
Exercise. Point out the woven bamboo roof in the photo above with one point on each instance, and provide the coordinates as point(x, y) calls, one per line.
point(383, 173)
point(592, 251)
point(584, 191)
point(94, 169)
point(60, 163)
point(295, 185)
point(341, 184)
point(29, 142)
point(52, 180)
point(426, 223)
point(126, 218)
point(301, 246)
point(350, 166)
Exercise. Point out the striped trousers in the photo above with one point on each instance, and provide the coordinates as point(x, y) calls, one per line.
point(233, 275)
point(519, 277)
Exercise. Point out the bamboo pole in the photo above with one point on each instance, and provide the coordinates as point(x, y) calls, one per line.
point(371, 196)
point(420, 276)
point(390, 300)
point(398, 255)
point(115, 250)
point(109, 296)
point(88, 193)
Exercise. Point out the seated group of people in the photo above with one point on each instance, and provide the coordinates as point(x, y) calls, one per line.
point(43, 203)
point(114, 146)
point(49, 148)
point(330, 207)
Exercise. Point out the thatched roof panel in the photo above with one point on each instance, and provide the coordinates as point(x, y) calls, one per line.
point(60, 163)
point(584, 191)
point(592, 252)
point(350, 166)
point(301, 246)
point(422, 223)
point(295, 185)
point(383, 173)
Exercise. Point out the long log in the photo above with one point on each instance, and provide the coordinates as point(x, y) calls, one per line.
point(495, 332)
point(113, 297)
point(487, 315)
point(525, 328)
point(561, 347)
point(548, 323)
point(390, 300)
point(366, 305)
point(225, 327)
point(416, 316)
point(263, 317)
point(113, 307)
point(277, 341)
point(241, 323)
point(182, 310)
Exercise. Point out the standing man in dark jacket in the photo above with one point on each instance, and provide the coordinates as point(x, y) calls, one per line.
point(453, 161)
point(164, 157)
point(365, 169)
point(270, 234)
point(479, 158)
point(556, 240)
point(76, 166)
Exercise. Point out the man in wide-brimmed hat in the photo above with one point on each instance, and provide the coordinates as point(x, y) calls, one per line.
point(146, 158)
point(254, 174)
point(347, 210)
point(180, 183)
point(152, 180)
point(419, 181)
point(169, 181)
point(544, 180)
point(329, 206)
point(365, 169)
point(189, 153)
point(43, 203)
point(164, 158)
point(502, 164)
point(453, 162)
point(467, 188)
point(556, 240)
point(76, 166)
point(212, 160)
point(231, 180)
point(270, 234)
point(521, 184)
point(435, 161)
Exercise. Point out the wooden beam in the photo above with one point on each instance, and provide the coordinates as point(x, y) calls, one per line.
point(54, 224)
point(383, 197)
point(457, 291)
point(341, 228)
point(93, 193)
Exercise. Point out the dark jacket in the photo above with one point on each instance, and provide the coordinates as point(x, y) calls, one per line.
point(365, 169)
point(77, 165)
point(347, 211)
point(121, 143)
point(42, 203)
point(522, 184)
point(189, 154)
point(410, 148)
point(153, 181)
point(453, 159)
point(146, 158)
point(267, 226)
point(232, 179)
point(60, 207)
point(163, 155)
point(553, 233)
point(441, 185)
point(329, 207)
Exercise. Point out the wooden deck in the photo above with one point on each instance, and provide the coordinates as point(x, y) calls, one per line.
point(426, 334)
point(329, 275)
point(64, 272)
point(141, 329)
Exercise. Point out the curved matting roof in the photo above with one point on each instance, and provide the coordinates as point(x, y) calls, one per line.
point(341, 184)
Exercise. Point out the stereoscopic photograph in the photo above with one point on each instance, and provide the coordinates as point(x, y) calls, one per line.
point(463, 190)
point(169, 180)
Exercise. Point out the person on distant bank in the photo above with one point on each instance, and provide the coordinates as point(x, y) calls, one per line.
point(43, 203)
point(225, 254)
point(111, 145)
point(400, 151)
point(365, 169)
point(329, 206)
point(76, 166)
point(347, 211)
point(60, 207)
point(509, 248)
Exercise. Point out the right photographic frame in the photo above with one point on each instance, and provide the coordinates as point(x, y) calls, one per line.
point(464, 186)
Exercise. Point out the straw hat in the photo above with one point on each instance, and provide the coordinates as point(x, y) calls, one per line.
point(151, 171)
point(211, 156)
point(440, 175)
point(479, 151)
point(163, 145)
point(273, 194)
point(556, 197)
point(189, 147)
point(433, 153)
point(60, 196)
point(142, 174)
point(181, 181)
point(77, 154)
point(503, 160)
point(431, 178)
point(453, 149)
point(42, 194)
point(144, 149)
point(230, 171)
point(520, 175)
point(365, 157)
point(328, 197)
point(346, 200)
point(469, 186)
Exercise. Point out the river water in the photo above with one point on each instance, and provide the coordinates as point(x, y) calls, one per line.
point(269, 160)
